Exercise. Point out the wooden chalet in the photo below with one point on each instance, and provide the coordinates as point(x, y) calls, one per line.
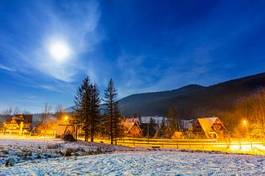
point(18, 124)
point(131, 127)
point(209, 127)
point(54, 127)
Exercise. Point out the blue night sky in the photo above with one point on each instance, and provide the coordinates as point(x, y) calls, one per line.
point(143, 45)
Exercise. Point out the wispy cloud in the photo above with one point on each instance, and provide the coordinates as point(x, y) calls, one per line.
point(74, 22)
point(6, 68)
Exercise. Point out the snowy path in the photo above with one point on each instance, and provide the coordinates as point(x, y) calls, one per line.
point(144, 163)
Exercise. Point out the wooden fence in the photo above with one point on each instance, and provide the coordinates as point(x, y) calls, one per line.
point(244, 146)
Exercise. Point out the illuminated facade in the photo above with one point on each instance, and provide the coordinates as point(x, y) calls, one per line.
point(18, 124)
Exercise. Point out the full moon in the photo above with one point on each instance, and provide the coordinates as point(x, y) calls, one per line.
point(59, 50)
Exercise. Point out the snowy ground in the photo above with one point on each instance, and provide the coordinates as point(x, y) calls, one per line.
point(144, 163)
point(14, 151)
point(56, 157)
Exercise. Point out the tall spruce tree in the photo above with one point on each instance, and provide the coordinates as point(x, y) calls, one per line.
point(95, 114)
point(87, 108)
point(112, 112)
point(173, 121)
point(117, 128)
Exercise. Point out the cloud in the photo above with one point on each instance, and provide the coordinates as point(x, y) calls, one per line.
point(148, 73)
point(138, 72)
point(72, 21)
point(3, 67)
point(50, 88)
point(76, 23)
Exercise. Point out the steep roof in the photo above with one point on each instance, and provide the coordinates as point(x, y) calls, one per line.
point(207, 123)
point(130, 123)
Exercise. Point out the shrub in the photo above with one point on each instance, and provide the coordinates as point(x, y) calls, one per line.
point(69, 138)
point(68, 152)
point(10, 162)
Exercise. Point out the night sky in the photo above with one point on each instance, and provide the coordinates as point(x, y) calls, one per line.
point(144, 46)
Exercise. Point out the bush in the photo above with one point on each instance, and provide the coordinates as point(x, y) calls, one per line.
point(53, 146)
point(10, 162)
point(68, 152)
point(69, 138)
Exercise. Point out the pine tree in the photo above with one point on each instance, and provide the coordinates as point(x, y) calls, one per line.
point(152, 128)
point(112, 111)
point(94, 118)
point(163, 128)
point(117, 128)
point(173, 121)
point(83, 105)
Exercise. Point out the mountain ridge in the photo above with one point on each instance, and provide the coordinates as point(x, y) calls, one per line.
point(192, 100)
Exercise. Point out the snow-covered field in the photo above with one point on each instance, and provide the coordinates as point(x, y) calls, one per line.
point(15, 150)
point(144, 163)
point(56, 157)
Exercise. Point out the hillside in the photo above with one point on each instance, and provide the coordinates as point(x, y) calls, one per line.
point(193, 100)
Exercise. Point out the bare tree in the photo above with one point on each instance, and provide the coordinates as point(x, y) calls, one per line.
point(16, 111)
point(59, 112)
point(46, 112)
point(251, 109)
point(8, 111)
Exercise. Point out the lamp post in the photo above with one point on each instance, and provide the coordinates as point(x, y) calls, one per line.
point(245, 125)
point(66, 118)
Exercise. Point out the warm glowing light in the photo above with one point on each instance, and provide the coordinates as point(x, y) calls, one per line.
point(66, 118)
point(234, 147)
point(244, 122)
point(59, 50)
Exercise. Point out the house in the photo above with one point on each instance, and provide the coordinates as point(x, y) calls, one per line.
point(209, 127)
point(18, 124)
point(156, 119)
point(54, 127)
point(177, 135)
point(186, 125)
point(131, 127)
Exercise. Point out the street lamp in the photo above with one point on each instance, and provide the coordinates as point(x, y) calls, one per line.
point(245, 123)
point(245, 126)
point(66, 118)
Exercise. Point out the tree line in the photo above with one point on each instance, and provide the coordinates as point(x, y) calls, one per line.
point(250, 108)
point(97, 116)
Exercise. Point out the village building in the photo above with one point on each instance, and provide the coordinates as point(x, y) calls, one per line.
point(209, 127)
point(156, 119)
point(18, 124)
point(186, 125)
point(131, 127)
point(177, 135)
point(54, 127)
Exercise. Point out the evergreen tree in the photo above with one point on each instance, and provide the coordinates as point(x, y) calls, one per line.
point(95, 114)
point(112, 112)
point(152, 128)
point(87, 103)
point(173, 121)
point(163, 128)
point(117, 128)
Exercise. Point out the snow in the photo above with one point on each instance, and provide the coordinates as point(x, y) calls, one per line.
point(143, 163)
point(56, 157)
point(14, 151)
point(157, 119)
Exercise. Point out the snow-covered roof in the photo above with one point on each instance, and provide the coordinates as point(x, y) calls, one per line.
point(157, 119)
point(207, 123)
point(186, 124)
point(128, 123)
